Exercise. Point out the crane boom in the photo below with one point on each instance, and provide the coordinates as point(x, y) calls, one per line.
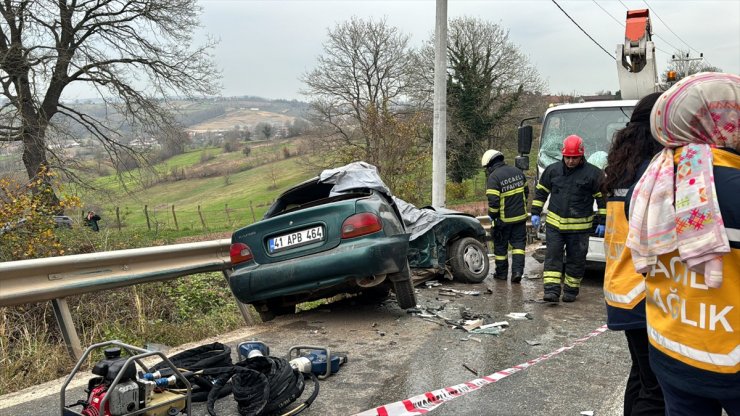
point(636, 68)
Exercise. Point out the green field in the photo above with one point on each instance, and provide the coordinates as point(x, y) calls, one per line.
point(238, 193)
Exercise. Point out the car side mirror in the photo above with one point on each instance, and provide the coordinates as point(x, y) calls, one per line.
point(522, 162)
point(524, 141)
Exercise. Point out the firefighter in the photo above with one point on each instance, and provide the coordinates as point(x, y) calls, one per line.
point(573, 185)
point(507, 194)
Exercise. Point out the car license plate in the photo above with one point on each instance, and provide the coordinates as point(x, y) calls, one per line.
point(298, 238)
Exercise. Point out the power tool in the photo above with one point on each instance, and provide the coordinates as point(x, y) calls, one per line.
point(119, 391)
point(313, 359)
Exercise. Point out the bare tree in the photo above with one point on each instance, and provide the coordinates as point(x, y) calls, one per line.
point(487, 76)
point(361, 76)
point(130, 54)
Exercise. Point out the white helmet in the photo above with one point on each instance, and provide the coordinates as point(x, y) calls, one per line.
point(489, 156)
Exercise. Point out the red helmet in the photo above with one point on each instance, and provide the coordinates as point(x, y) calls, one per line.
point(573, 146)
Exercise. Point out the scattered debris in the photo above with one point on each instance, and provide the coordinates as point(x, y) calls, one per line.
point(499, 324)
point(587, 413)
point(532, 343)
point(472, 324)
point(432, 283)
point(519, 315)
point(470, 369)
point(494, 330)
point(445, 291)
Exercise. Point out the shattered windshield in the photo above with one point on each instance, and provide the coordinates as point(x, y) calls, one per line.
point(596, 126)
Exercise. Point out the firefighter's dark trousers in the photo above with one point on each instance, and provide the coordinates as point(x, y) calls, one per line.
point(514, 234)
point(575, 248)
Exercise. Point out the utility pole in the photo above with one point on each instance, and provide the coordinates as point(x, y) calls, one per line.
point(439, 134)
point(686, 62)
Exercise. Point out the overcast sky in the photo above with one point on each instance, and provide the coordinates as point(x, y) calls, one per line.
point(266, 45)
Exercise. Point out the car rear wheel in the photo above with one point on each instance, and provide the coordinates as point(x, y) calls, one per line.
point(404, 289)
point(469, 260)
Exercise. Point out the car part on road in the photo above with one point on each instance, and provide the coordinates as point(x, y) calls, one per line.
point(469, 260)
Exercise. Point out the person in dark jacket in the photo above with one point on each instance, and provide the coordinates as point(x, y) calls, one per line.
point(91, 220)
point(507, 193)
point(624, 288)
point(572, 185)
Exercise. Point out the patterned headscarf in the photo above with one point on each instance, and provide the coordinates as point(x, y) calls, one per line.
point(668, 210)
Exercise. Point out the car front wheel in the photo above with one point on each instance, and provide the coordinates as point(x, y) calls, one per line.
point(469, 260)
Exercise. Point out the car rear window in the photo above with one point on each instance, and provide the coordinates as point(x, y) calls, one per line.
point(309, 195)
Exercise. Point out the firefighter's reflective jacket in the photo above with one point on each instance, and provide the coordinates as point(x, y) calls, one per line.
point(572, 193)
point(507, 193)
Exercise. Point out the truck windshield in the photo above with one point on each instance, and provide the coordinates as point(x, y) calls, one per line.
point(596, 126)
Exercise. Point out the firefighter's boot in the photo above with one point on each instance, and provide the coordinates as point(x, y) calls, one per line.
point(552, 293)
point(502, 269)
point(516, 276)
point(569, 293)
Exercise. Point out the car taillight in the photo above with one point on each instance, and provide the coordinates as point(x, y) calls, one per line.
point(240, 253)
point(361, 224)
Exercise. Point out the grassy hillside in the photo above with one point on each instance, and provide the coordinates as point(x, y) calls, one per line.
point(231, 189)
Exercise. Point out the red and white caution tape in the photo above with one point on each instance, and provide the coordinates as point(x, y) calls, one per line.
point(423, 403)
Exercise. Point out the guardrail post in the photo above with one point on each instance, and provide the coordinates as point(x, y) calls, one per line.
point(244, 309)
point(67, 327)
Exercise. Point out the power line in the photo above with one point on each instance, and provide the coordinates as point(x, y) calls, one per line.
point(667, 27)
point(582, 30)
point(622, 24)
point(610, 15)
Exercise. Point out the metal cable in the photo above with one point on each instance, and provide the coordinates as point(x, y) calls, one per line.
point(582, 30)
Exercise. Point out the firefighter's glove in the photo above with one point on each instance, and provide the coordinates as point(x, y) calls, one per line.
point(536, 221)
point(600, 230)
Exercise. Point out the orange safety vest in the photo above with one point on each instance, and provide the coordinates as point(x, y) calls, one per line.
point(623, 287)
point(689, 321)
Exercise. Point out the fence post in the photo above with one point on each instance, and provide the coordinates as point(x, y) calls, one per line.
point(118, 218)
point(251, 208)
point(202, 221)
point(228, 218)
point(146, 214)
point(174, 217)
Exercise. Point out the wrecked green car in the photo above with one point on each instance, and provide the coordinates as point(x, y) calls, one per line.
point(343, 232)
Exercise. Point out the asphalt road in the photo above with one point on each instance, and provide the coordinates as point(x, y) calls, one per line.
point(394, 355)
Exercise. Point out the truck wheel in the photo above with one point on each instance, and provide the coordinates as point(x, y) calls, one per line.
point(469, 260)
point(404, 289)
point(270, 309)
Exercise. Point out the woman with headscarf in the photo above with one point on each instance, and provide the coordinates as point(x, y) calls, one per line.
point(624, 289)
point(684, 234)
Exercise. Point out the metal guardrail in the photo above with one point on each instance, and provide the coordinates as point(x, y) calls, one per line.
point(55, 278)
point(37, 280)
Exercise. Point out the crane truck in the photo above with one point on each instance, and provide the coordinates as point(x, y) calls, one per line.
point(596, 121)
